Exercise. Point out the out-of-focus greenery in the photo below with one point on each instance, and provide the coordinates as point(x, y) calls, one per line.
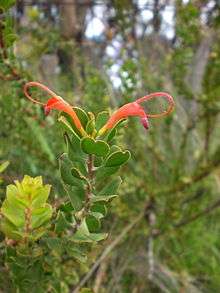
point(173, 174)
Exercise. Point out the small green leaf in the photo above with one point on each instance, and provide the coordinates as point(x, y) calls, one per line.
point(100, 198)
point(77, 174)
point(93, 223)
point(66, 207)
point(111, 135)
point(9, 229)
point(69, 128)
point(14, 213)
point(76, 196)
point(76, 253)
point(112, 132)
point(104, 172)
point(54, 244)
point(83, 235)
point(90, 127)
point(61, 223)
point(111, 188)
point(98, 161)
point(100, 208)
point(97, 215)
point(83, 117)
point(65, 171)
point(3, 166)
point(117, 158)
point(41, 215)
point(70, 125)
point(92, 147)
point(101, 119)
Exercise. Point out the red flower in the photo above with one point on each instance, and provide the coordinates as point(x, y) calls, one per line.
point(135, 109)
point(56, 102)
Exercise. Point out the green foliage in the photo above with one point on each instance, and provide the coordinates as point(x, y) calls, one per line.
point(25, 213)
point(6, 4)
point(173, 176)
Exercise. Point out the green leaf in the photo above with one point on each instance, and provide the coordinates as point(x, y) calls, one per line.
point(99, 207)
point(76, 253)
point(117, 158)
point(100, 198)
point(42, 196)
point(76, 196)
point(93, 223)
point(104, 172)
point(83, 235)
point(61, 223)
point(77, 174)
point(13, 212)
point(112, 187)
point(114, 148)
point(90, 127)
point(101, 119)
point(66, 207)
point(69, 128)
point(97, 215)
point(92, 147)
point(9, 229)
point(75, 153)
point(70, 125)
point(92, 237)
point(98, 236)
point(82, 115)
point(98, 161)
point(65, 171)
point(3, 166)
point(54, 244)
point(40, 216)
point(111, 135)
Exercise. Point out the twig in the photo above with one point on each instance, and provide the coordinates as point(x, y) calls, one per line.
point(194, 217)
point(150, 243)
point(100, 276)
point(204, 172)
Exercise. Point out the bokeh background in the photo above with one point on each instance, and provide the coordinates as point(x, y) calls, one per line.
point(99, 55)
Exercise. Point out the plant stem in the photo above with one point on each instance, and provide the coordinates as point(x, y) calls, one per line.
point(88, 194)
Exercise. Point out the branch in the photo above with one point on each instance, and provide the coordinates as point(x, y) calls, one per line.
point(194, 217)
point(204, 172)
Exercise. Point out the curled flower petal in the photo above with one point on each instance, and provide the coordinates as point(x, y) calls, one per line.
point(168, 97)
point(135, 109)
point(55, 102)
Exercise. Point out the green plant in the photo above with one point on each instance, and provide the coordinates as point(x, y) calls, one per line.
point(38, 234)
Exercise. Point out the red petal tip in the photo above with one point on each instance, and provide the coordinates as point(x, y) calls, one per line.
point(145, 122)
point(46, 111)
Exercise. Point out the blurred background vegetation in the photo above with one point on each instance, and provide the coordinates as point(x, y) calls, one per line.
point(164, 229)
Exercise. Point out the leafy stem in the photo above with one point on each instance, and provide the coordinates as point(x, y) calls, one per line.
point(81, 215)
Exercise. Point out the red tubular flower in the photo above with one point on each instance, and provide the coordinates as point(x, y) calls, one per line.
point(55, 102)
point(135, 109)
